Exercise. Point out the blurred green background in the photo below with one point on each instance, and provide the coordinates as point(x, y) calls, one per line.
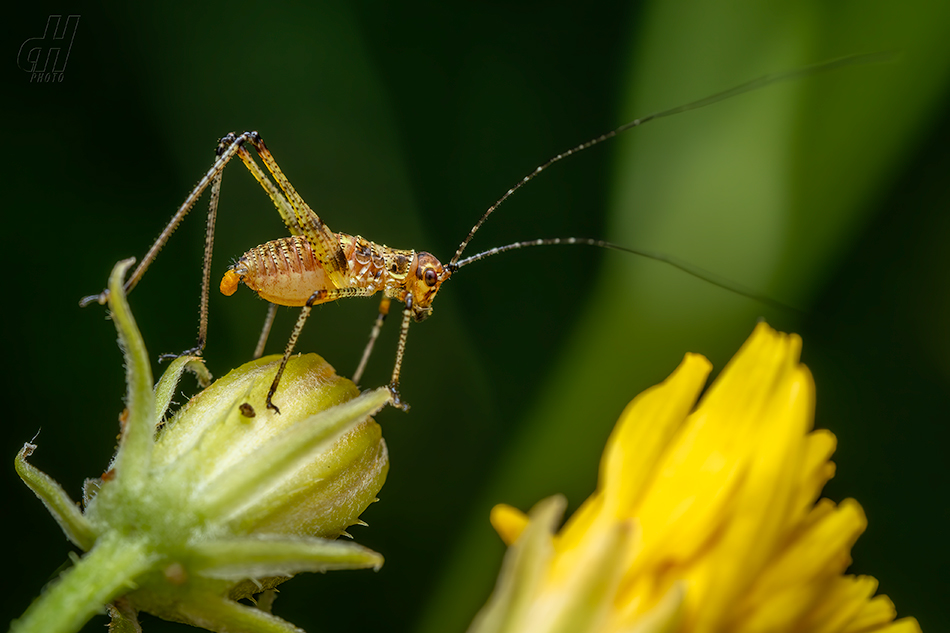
point(403, 123)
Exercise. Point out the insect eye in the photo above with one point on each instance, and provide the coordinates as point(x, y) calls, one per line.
point(430, 277)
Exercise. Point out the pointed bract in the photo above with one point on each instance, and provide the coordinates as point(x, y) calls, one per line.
point(221, 501)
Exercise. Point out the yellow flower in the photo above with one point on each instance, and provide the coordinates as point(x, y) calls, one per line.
point(704, 519)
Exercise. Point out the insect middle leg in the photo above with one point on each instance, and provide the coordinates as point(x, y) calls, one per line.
point(265, 330)
point(373, 335)
point(320, 296)
point(400, 352)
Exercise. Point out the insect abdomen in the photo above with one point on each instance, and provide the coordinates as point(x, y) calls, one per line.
point(283, 271)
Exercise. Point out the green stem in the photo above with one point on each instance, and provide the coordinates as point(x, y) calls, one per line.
point(105, 573)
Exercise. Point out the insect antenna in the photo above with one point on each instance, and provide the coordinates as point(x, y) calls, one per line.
point(686, 267)
point(749, 86)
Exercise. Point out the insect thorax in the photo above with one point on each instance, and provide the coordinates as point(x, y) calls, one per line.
point(376, 266)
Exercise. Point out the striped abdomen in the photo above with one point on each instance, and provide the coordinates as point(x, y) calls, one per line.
point(282, 271)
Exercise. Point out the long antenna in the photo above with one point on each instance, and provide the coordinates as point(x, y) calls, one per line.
point(677, 263)
point(749, 86)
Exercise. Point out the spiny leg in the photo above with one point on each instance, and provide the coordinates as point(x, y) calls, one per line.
point(265, 331)
point(286, 213)
point(283, 207)
point(373, 335)
point(227, 148)
point(400, 352)
point(320, 296)
point(301, 320)
point(325, 244)
point(205, 274)
point(206, 267)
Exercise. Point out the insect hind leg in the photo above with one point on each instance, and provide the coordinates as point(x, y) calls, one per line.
point(326, 246)
point(198, 349)
point(227, 147)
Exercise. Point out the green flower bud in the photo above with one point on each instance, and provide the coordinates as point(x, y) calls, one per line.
point(222, 501)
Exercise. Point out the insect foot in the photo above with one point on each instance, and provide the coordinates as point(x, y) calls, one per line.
point(214, 506)
point(194, 351)
point(396, 400)
point(102, 298)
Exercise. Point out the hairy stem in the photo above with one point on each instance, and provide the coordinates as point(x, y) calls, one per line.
point(105, 573)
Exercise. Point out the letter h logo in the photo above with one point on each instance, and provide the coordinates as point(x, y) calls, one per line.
point(31, 58)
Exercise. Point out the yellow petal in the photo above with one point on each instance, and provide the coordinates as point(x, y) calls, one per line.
point(509, 522)
point(721, 509)
point(840, 604)
point(904, 625)
point(816, 470)
point(875, 613)
point(759, 521)
point(637, 443)
point(644, 431)
point(579, 594)
point(821, 550)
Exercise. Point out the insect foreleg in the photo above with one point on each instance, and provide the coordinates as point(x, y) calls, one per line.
point(265, 331)
point(400, 351)
point(373, 335)
point(320, 296)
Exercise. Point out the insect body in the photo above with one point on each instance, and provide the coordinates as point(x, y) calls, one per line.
point(314, 265)
point(286, 272)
